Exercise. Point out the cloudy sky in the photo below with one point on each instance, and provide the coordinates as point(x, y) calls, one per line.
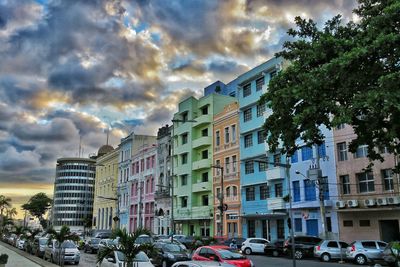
point(71, 69)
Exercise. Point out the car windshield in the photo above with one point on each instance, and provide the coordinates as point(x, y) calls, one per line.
point(42, 241)
point(172, 248)
point(143, 240)
point(95, 241)
point(140, 257)
point(68, 245)
point(228, 255)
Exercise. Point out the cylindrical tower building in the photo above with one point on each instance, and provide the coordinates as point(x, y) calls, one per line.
point(74, 193)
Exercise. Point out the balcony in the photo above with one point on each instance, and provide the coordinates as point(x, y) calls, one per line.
point(202, 212)
point(182, 212)
point(275, 173)
point(202, 120)
point(202, 141)
point(201, 164)
point(201, 187)
point(276, 203)
point(231, 199)
point(181, 149)
point(161, 194)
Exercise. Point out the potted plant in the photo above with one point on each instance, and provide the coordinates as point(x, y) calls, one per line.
point(3, 260)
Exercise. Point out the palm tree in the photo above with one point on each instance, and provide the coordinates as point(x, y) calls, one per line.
point(126, 244)
point(19, 230)
point(5, 202)
point(62, 236)
point(29, 235)
point(11, 212)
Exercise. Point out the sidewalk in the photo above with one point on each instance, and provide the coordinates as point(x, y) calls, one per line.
point(19, 258)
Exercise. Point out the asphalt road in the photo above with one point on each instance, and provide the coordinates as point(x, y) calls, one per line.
point(87, 260)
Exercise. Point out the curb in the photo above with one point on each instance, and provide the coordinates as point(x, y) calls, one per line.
point(30, 257)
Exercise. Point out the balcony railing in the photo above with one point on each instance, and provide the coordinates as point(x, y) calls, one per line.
point(162, 194)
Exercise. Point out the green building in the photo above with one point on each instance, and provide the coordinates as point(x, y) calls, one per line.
point(192, 160)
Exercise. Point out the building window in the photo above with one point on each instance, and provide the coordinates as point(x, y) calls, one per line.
point(184, 138)
point(260, 109)
point(184, 179)
point(247, 115)
point(227, 165)
point(365, 223)
point(361, 152)
point(204, 132)
point(234, 191)
point(250, 195)
point(309, 190)
point(249, 167)
point(278, 190)
point(204, 200)
point(218, 191)
point(204, 154)
point(228, 191)
point(298, 225)
point(294, 158)
point(264, 192)
point(306, 153)
point(296, 191)
point(204, 177)
point(259, 83)
point(226, 135)
point(365, 182)
point(322, 150)
point(185, 116)
point(261, 135)
point(345, 181)
point(247, 90)
point(217, 138)
point(262, 166)
point(272, 74)
point(277, 159)
point(184, 158)
point(184, 201)
point(387, 177)
point(233, 130)
point(324, 186)
point(204, 110)
point(280, 228)
point(348, 223)
point(248, 140)
point(217, 170)
point(234, 164)
point(340, 126)
point(251, 228)
point(342, 151)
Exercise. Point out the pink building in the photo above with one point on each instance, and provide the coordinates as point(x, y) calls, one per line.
point(368, 204)
point(142, 185)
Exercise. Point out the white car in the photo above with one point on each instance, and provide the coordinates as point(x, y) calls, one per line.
point(117, 259)
point(254, 245)
point(20, 243)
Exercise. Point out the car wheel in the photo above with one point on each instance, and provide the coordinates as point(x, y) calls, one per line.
point(298, 254)
point(275, 253)
point(76, 263)
point(325, 257)
point(247, 251)
point(164, 264)
point(360, 259)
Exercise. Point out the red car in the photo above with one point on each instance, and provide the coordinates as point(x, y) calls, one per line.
point(221, 254)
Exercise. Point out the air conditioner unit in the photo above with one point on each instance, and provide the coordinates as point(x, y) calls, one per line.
point(369, 202)
point(381, 201)
point(352, 203)
point(393, 200)
point(340, 204)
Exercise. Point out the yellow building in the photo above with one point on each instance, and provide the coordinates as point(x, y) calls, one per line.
point(105, 209)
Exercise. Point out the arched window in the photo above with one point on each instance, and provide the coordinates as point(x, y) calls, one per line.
point(235, 191)
point(228, 191)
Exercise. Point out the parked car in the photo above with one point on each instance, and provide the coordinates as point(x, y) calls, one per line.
point(91, 245)
point(20, 243)
point(274, 248)
point(253, 245)
point(387, 255)
point(327, 250)
point(173, 241)
point(103, 235)
point(105, 243)
point(144, 239)
point(117, 259)
point(38, 246)
point(304, 246)
point(363, 251)
point(201, 264)
point(239, 241)
point(221, 254)
point(53, 252)
point(169, 253)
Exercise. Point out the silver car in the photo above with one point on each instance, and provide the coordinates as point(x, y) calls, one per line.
point(363, 251)
point(327, 250)
point(201, 264)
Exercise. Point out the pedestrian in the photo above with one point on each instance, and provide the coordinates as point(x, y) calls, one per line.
point(233, 244)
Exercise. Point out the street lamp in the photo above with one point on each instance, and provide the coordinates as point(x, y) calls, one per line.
point(172, 174)
point(287, 168)
point(221, 198)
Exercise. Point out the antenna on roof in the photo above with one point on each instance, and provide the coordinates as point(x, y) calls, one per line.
point(80, 146)
point(108, 132)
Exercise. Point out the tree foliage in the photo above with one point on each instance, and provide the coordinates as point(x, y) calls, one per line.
point(63, 235)
point(341, 73)
point(126, 244)
point(5, 203)
point(38, 206)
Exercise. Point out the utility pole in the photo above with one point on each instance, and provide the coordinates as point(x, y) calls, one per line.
point(321, 186)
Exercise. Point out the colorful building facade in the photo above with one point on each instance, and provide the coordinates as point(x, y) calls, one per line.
point(192, 161)
point(226, 155)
